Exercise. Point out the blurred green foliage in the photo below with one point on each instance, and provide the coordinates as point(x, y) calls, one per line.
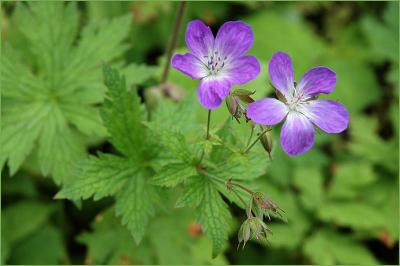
point(341, 198)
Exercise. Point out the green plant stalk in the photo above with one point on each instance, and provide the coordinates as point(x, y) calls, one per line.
point(257, 139)
point(208, 124)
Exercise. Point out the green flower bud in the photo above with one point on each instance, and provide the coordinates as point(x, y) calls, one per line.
point(266, 141)
point(244, 95)
point(233, 107)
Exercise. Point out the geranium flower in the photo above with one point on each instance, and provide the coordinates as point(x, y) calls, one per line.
point(219, 63)
point(299, 105)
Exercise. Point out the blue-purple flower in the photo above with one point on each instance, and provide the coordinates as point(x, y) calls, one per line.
point(218, 63)
point(299, 105)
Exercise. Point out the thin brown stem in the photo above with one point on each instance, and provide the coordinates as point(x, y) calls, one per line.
point(173, 40)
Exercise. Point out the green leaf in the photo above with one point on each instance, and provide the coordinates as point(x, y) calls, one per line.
point(357, 215)
point(30, 251)
point(171, 124)
point(350, 178)
point(167, 243)
point(125, 177)
point(193, 194)
point(229, 162)
point(111, 243)
point(122, 115)
point(137, 74)
point(381, 36)
point(99, 177)
point(213, 215)
point(368, 145)
point(135, 205)
point(173, 174)
point(22, 218)
point(310, 182)
point(51, 85)
point(326, 247)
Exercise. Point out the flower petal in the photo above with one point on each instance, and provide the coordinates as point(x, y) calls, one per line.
point(233, 39)
point(281, 72)
point(317, 80)
point(268, 111)
point(297, 134)
point(199, 38)
point(189, 65)
point(243, 69)
point(330, 116)
point(212, 92)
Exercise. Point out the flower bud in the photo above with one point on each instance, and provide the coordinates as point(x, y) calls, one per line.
point(233, 107)
point(266, 141)
point(244, 95)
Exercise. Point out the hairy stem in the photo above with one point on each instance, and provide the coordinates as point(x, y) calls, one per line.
point(173, 40)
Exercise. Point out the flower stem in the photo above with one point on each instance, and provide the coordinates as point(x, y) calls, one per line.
point(254, 143)
point(208, 124)
point(240, 198)
point(207, 135)
point(251, 136)
point(173, 40)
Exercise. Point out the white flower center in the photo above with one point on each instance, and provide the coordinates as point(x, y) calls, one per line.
point(297, 100)
point(215, 62)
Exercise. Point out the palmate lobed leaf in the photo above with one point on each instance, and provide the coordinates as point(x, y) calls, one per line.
point(50, 85)
point(126, 177)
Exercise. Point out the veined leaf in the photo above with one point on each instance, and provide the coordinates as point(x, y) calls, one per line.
point(193, 193)
point(125, 177)
point(52, 83)
point(135, 205)
point(173, 174)
point(99, 177)
point(213, 215)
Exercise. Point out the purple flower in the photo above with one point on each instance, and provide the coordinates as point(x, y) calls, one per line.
point(219, 63)
point(299, 105)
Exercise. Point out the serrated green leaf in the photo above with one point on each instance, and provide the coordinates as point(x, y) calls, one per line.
point(122, 115)
point(173, 174)
point(213, 214)
point(135, 205)
point(51, 84)
point(99, 177)
point(193, 194)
